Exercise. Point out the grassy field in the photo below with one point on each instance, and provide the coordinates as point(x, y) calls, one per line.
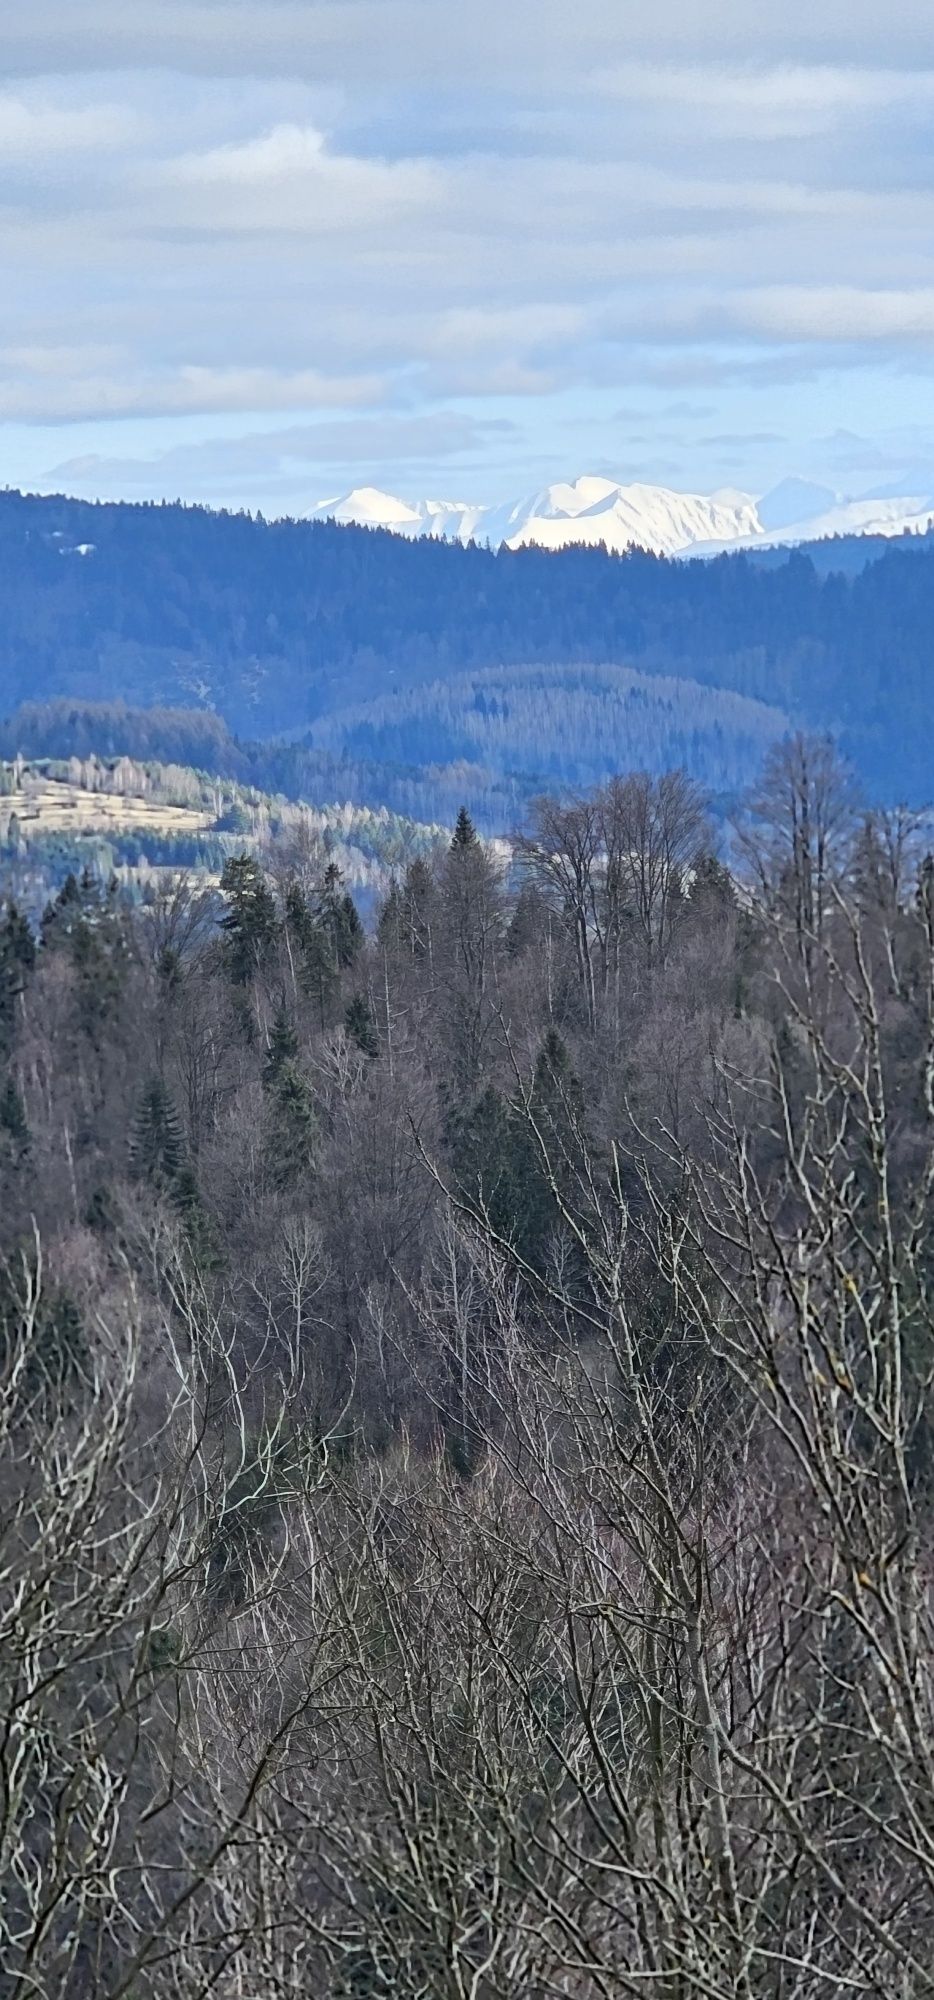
point(46, 805)
point(138, 822)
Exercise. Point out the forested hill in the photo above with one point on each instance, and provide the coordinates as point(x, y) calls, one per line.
point(277, 625)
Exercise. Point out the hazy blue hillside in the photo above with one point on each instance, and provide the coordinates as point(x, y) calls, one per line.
point(572, 725)
point(278, 629)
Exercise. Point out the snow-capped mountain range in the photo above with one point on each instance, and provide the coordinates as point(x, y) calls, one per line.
point(595, 510)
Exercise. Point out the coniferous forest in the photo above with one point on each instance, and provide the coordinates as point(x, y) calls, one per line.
point(466, 1512)
point(424, 671)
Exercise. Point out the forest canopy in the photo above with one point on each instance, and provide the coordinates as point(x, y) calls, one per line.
point(465, 1496)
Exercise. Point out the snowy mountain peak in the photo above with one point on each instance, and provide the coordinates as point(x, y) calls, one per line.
point(599, 512)
point(369, 508)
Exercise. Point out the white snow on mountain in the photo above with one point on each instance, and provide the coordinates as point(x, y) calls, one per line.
point(599, 512)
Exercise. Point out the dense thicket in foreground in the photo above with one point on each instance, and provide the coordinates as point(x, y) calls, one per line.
point(465, 1498)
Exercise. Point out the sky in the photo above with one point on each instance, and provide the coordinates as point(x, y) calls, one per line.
point(257, 252)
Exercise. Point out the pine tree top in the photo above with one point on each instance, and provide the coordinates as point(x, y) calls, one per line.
point(465, 833)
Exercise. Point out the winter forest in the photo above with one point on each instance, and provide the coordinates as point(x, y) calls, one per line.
point(466, 1511)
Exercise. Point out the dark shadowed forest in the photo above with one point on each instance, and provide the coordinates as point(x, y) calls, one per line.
point(466, 1514)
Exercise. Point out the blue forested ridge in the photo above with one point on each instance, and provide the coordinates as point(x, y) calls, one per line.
point(308, 629)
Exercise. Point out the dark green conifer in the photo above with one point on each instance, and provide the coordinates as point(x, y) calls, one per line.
point(97, 958)
point(169, 971)
point(311, 946)
point(291, 1125)
point(62, 913)
point(249, 921)
point(157, 1144)
point(17, 959)
point(340, 918)
point(465, 833)
point(361, 1026)
point(47, 1336)
point(283, 1047)
point(100, 1213)
point(390, 928)
point(490, 1161)
point(13, 1122)
point(711, 894)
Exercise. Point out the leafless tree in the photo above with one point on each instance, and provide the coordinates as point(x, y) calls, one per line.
point(562, 853)
point(156, 1650)
point(799, 834)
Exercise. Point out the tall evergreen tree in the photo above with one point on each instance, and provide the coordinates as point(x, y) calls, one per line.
point(157, 1143)
point(14, 1128)
point(98, 954)
point(390, 927)
point(159, 1156)
point(17, 960)
point(62, 913)
point(283, 1047)
point(291, 1125)
point(311, 950)
point(465, 833)
point(361, 1026)
point(249, 921)
point(340, 918)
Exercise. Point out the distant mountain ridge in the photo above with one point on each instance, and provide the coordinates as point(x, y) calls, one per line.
point(593, 511)
point(421, 672)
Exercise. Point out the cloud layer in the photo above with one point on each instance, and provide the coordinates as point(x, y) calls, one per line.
point(479, 230)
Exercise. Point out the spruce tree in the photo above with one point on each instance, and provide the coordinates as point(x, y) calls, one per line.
point(49, 1339)
point(17, 959)
point(13, 1122)
point(249, 921)
point(361, 1026)
point(158, 1156)
point(490, 1162)
point(465, 833)
point(97, 954)
point(62, 914)
point(390, 928)
point(157, 1144)
point(312, 950)
point(283, 1047)
point(291, 1125)
point(340, 918)
point(299, 921)
point(91, 929)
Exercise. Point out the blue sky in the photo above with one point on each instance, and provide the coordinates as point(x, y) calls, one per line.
point(258, 251)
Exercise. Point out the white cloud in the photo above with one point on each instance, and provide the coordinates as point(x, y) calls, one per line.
point(285, 151)
point(31, 131)
point(752, 102)
point(390, 42)
point(288, 179)
point(290, 467)
point(468, 330)
point(33, 388)
point(218, 205)
point(840, 312)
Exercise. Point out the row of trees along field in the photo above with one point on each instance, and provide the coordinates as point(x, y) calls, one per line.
point(466, 1517)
